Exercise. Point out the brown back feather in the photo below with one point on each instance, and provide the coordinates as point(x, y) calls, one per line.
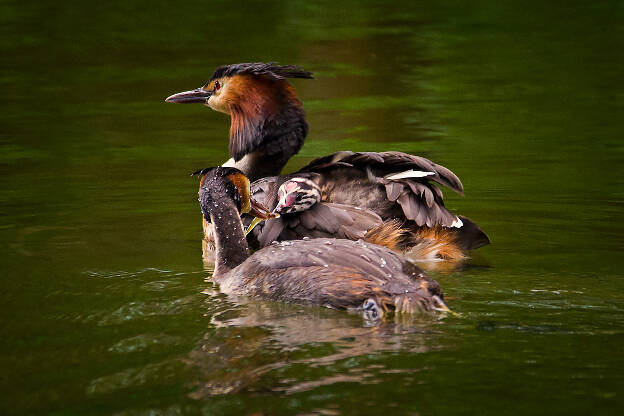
point(337, 273)
point(418, 198)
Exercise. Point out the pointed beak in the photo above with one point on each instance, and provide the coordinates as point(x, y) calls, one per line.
point(198, 95)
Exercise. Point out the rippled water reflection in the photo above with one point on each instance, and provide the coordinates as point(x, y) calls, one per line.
point(309, 343)
point(105, 306)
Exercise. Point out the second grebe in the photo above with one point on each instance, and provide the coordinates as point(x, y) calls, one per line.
point(340, 274)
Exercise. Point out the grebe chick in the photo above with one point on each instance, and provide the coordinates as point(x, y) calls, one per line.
point(340, 274)
point(302, 213)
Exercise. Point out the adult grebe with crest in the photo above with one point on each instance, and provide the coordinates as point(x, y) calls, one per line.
point(268, 126)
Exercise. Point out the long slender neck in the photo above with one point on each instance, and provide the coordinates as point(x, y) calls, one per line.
point(267, 129)
point(271, 155)
point(230, 242)
point(257, 165)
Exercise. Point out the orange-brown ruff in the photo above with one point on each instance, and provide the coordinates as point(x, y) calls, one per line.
point(250, 103)
point(340, 274)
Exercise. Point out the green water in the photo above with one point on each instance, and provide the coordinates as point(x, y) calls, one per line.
point(100, 253)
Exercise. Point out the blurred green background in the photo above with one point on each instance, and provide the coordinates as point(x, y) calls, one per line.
point(102, 303)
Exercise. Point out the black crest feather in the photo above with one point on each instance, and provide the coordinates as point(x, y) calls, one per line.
point(271, 70)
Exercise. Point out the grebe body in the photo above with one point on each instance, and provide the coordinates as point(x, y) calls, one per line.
point(341, 274)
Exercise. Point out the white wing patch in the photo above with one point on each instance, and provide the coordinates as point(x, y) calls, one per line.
point(410, 174)
point(457, 223)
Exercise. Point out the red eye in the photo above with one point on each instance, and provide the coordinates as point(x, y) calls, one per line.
point(217, 85)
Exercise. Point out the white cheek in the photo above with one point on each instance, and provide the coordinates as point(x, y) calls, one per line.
point(210, 102)
point(216, 103)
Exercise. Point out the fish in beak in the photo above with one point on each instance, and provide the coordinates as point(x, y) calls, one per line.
point(260, 213)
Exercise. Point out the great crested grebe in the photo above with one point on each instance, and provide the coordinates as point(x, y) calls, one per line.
point(268, 126)
point(341, 274)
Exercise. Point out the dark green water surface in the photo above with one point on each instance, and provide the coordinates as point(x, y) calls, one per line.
point(103, 301)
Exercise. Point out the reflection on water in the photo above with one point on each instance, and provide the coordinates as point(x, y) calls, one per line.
point(143, 376)
point(287, 344)
point(142, 342)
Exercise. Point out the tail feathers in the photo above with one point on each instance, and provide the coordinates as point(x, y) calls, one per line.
point(428, 244)
point(446, 243)
point(470, 236)
point(389, 234)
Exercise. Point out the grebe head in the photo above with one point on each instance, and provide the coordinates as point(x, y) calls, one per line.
point(296, 195)
point(223, 183)
point(220, 183)
point(258, 97)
